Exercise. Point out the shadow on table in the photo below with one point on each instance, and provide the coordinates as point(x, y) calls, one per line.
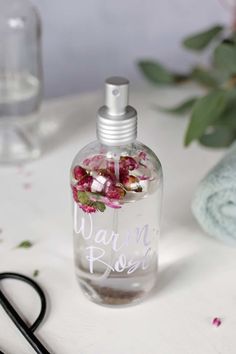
point(173, 275)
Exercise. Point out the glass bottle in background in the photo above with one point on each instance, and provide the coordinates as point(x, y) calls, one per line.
point(117, 194)
point(20, 81)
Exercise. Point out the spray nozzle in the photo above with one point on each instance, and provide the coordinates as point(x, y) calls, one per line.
point(117, 95)
point(116, 120)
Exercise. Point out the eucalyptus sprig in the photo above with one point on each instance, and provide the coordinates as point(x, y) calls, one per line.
point(213, 115)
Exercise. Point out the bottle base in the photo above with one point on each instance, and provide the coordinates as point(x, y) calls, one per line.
point(112, 297)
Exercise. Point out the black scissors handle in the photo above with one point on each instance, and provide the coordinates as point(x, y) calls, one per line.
point(21, 325)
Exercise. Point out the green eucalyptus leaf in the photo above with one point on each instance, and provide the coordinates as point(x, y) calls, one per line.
point(228, 117)
point(206, 111)
point(156, 72)
point(83, 198)
point(25, 244)
point(181, 108)
point(219, 137)
point(36, 273)
point(200, 40)
point(204, 77)
point(100, 206)
point(225, 58)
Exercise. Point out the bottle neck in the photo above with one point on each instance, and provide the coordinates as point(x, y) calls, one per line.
point(118, 147)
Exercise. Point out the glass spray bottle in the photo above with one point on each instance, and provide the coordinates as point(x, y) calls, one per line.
point(116, 185)
point(20, 81)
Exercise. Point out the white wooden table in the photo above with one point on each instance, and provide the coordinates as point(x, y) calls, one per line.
point(197, 274)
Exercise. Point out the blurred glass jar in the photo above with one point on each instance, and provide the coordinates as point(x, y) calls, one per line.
point(20, 81)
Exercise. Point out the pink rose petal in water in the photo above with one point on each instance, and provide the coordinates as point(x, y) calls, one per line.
point(86, 162)
point(96, 162)
point(142, 155)
point(87, 208)
point(216, 322)
point(110, 203)
point(143, 178)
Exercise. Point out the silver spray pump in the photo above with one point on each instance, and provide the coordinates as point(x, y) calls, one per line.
point(116, 120)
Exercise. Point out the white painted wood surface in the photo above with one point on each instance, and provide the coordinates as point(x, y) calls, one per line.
point(197, 274)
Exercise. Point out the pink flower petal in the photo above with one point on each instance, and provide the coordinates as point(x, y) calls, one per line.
point(114, 192)
point(142, 155)
point(216, 322)
point(96, 162)
point(143, 178)
point(110, 203)
point(87, 208)
point(86, 162)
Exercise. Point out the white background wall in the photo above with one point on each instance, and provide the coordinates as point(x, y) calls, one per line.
point(87, 40)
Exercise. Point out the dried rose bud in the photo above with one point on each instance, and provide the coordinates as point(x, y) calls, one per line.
point(114, 192)
point(79, 172)
point(110, 166)
point(124, 173)
point(84, 184)
point(216, 321)
point(127, 162)
point(131, 183)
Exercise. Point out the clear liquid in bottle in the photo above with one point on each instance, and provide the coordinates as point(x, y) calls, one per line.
point(116, 241)
point(19, 105)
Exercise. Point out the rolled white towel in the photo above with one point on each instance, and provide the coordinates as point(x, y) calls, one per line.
point(214, 203)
